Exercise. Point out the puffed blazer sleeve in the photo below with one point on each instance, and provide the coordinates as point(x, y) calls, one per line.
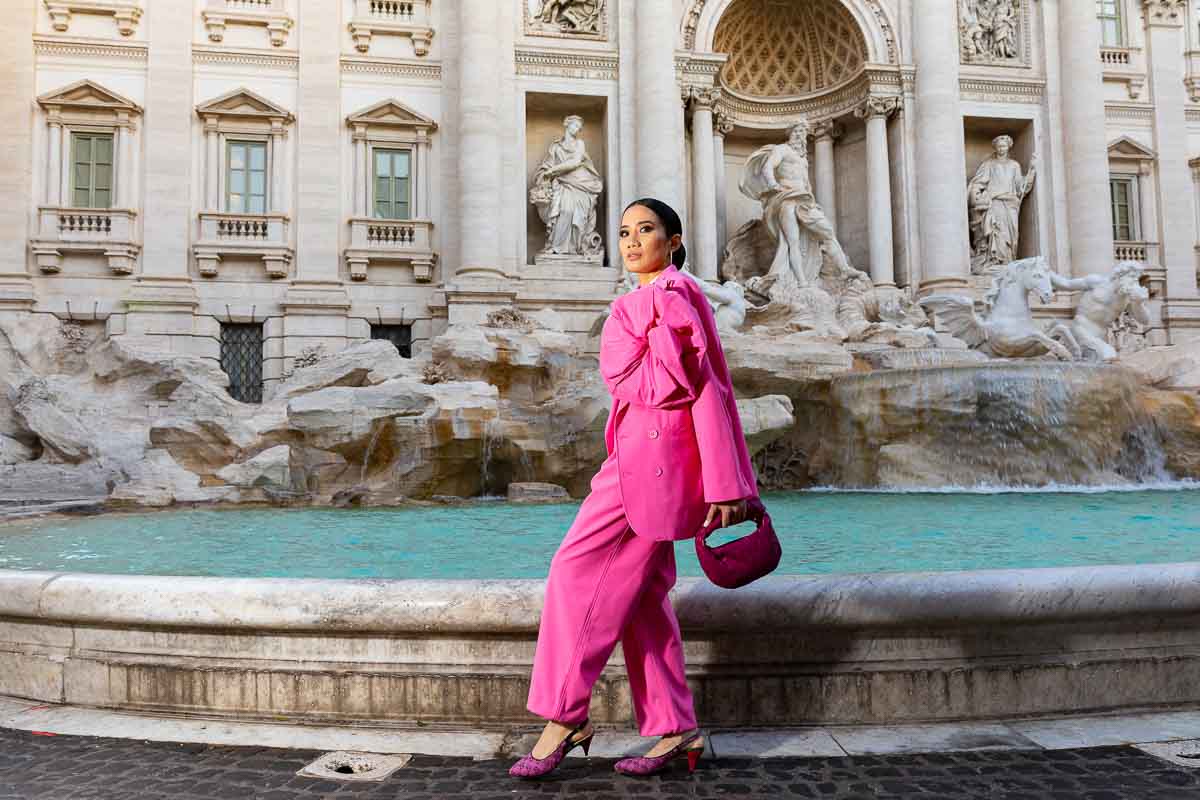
point(652, 349)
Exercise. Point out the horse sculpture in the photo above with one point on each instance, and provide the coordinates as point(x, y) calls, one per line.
point(1008, 330)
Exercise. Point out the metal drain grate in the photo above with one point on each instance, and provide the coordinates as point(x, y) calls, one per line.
point(345, 765)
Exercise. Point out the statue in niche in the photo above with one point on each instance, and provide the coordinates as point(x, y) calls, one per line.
point(777, 176)
point(566, 189)
point(988, 30)
point(994, 196)
point(568, 16)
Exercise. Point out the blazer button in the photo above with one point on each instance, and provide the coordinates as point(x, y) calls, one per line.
point(658, 471)
point(653, 434)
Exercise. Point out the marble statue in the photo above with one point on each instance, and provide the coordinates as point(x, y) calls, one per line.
point(988, 30)
point(1008, 330)
point(994, 196)
point(777, 176)
point(570, 16)
point(728, 301)
point(1104, 302)
point(566, 188)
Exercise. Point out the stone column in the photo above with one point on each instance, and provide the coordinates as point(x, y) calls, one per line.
point(168, 127)
point(479, 157)
point(54, 162)
point(125, 165)
point(18, 87)
point(940, 149)
point(1089, 211)
point(659, 166)
point(704, 186)
point(362, 179)
point(824, 134)
point(1164, 33)
point(278, 166)
point(876, 111)
point(212, 165)
point(722, 126)
point(318, 213)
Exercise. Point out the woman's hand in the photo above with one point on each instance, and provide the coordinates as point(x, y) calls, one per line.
point(731, 513)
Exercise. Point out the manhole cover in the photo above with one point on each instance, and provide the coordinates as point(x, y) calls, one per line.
point(349, 766)
point(1184, 752)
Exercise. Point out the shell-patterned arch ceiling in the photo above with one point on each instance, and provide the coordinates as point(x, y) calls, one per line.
point(788, 47)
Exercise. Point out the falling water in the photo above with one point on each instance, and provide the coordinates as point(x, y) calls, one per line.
point(492, 430)
point(378, 428)
point(1000, 424)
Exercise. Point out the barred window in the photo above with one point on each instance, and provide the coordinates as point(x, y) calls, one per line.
point(399, 335)
point(242, 360)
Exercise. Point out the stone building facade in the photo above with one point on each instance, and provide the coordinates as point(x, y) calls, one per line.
point(276, 175)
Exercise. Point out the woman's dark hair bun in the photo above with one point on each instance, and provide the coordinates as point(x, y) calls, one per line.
point(670, 221)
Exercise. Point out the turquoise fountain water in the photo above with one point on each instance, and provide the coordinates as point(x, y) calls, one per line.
point(822, 532)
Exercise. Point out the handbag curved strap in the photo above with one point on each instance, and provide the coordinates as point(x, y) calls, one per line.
point(755, 510)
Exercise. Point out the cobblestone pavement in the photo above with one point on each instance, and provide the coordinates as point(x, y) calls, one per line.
point(69, 767)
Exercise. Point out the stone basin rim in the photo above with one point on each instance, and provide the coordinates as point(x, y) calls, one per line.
point(896, 600)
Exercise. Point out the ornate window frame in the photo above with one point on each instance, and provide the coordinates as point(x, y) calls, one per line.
point(390, 124)
point(1130, 160)
point(87, 107)
point(242, 115)
point(126, 13)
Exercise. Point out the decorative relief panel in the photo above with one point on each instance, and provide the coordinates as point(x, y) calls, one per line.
point(793, 49)
point(563, 64)
point(573, 19)
point(994, 32)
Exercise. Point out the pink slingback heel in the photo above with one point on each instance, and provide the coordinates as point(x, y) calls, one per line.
point(530, 767)
point(693, 747)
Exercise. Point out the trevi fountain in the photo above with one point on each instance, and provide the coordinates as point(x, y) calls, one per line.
point(968, 380)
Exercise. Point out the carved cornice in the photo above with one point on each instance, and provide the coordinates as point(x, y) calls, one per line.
point(1164, 12)
point(566, 64)
point(1129, 112)
point(877, 106)
point(1192, 114)
point(245, 58)
point(393, 68)
point(79, 47)
point(701, 96)
point(875, 80)
point(993, 90)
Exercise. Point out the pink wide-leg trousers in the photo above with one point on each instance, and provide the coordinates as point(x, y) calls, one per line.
point(607, 584)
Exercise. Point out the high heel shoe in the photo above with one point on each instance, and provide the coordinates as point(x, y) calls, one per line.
point(531, 767)
point(693, 746)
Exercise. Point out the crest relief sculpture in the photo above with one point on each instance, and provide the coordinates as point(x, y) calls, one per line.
point(991, 32)
point(567, 18)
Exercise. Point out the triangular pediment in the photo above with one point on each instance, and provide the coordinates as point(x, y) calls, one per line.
point(1127, 148)
point(394, 113)
point(243, 103)
point(87, 94)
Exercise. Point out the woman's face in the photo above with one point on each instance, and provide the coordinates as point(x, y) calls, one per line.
point(645, 246)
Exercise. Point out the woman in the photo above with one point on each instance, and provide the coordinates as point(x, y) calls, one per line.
point(676, 459)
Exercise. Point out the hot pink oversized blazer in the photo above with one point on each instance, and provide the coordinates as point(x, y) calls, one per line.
point(674, 423)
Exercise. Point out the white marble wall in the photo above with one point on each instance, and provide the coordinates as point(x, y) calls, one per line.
point(319, 75)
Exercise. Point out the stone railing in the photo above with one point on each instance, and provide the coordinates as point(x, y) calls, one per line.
point(271, 14)
point(1146, 252)
point(111, 231)
point(408, 240)
point(1125, 64)
point(253, 235)
point(411, 18)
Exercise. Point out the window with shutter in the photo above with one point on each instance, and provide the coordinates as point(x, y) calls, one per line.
point(91, 170)
point(1123, 210)
point(393, 180)
point(1112, 32)
point(246, 177)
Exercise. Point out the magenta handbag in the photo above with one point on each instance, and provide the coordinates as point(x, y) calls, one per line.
point(743, 560)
